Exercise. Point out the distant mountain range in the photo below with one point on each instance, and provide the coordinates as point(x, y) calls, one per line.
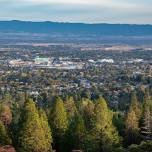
point(75, 28)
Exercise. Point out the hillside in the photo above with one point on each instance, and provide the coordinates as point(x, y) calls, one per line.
point(75, 28)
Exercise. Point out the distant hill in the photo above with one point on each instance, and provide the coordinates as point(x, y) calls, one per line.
point(75, 28)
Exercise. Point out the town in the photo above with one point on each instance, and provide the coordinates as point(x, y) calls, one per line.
point(78, 70)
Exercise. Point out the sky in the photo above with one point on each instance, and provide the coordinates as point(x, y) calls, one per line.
point(86, 11)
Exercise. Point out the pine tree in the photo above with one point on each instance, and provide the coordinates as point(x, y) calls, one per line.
point(70, 108)
point(132, 128)
point(4, 138)
point(89, 115)
point(5, 114)
point(76, 134)
point(132, 121)
point(147, 94)
point(59, 123)
point(102, 115)
point(146, 128)
point(7, 98)
point(106, 134)
point(31, 136)
point(135, 105)
point(46, 130)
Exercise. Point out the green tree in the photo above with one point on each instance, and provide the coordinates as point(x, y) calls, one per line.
point(4, 138)
point(146, 128)
point(86, 94)
point(119, 122)
point(134, 148)
point(46, 129)
point(31, 136)
point(143, 147)
point(59, 123)
point(147, 93)
point(146, 146)
point(132, 128)
point(89, 115)
point(76, 134)
point(105, 132)
point(7, 98)
point(70, 108)
point(5, 114)
point(135, 105)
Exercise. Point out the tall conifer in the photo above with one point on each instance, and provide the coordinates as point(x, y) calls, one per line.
point(31, 136)
point(59, 123)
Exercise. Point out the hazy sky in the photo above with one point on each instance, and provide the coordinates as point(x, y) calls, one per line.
point(90, 11)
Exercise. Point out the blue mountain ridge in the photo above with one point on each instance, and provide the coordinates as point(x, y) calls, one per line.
point(75, 28)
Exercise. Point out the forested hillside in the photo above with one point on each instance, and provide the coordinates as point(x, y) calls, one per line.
point(67, 125)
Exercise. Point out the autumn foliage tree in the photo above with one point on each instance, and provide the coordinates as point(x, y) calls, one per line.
point(5, 114)
point(132, 121)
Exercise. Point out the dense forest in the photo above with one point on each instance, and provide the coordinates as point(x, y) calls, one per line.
point(67, 125)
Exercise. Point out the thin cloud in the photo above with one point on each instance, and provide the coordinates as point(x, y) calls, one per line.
point(113, 4)
point(111, 11)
